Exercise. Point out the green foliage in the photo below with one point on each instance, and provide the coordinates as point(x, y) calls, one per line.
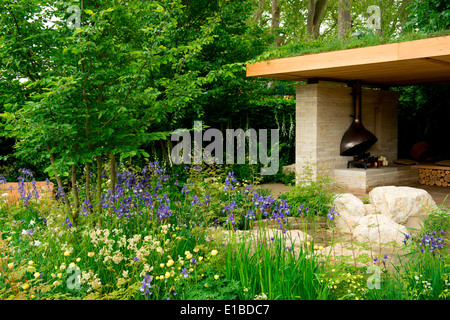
point(437, 220)
point(420, 277)
point(267, 269)
point(429, 15)
point(366, 40)
point(313, 196)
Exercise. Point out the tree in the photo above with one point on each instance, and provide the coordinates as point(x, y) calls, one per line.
point(315, 12)
point(344, 17)
point(78, 96)
point(275, 22)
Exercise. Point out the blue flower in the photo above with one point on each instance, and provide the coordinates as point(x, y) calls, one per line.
point(331, 214)
point(145, 285)
point(67, 222)
point(431, 242)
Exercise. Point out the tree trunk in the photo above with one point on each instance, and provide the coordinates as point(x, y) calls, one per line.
point(112, 173)
point(60, 186)
point(165, 152)
point(315, 12)
point(344, 17)
point(88, 186)
point(76, 198)
point(99, 188)
point(275, 22)
point(259, 12)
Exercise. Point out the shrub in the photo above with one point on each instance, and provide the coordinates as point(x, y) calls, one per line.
point(311, 197)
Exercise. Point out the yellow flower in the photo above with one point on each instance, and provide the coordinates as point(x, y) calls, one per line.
point(36, 275)
point(59, 275)
point(169, 263)
point(78, 260)
point(91, 254)
point(188, 254)
point(67, 253)
point(9, 239)
point(161, 265)
point(216, 276)
point(214, 252)
point(200, 258)
point(33, 296)
point(206, 285)
point(167, 275)
point(174, 235)
point(196, 250)
point(10, 265)
point(72, 265)
point(25, 286)
point(320, 248)
point(30, 263)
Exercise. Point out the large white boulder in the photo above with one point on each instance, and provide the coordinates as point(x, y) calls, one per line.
point(379, 231)
point(350, 209)
point(400, 203)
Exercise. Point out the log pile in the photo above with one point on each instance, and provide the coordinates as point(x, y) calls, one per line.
point(434, 176)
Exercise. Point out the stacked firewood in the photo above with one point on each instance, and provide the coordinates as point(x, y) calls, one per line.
point(434, 176)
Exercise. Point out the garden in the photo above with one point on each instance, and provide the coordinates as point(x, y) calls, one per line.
point(92, 205)
point(157, 237)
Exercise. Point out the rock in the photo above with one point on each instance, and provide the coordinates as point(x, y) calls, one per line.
point(350, 209)
point(379, 231)
point(288, 169)
point(400, 203)
point(370, 209)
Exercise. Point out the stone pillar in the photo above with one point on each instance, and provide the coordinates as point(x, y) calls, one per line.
point(323, 115)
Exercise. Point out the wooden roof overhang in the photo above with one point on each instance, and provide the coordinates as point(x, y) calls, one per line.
point(417, 62)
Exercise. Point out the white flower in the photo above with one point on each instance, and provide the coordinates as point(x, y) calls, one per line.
point(32, 222)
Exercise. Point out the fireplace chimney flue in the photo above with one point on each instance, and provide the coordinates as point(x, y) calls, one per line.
point(357, 139)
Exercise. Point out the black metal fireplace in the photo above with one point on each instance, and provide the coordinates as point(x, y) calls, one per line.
point(357, 139)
